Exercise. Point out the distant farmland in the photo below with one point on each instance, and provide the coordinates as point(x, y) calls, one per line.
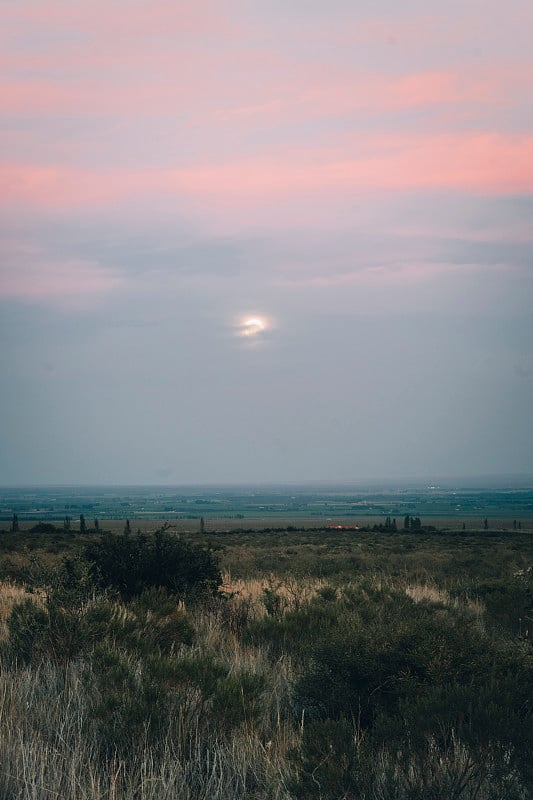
point(260, 507)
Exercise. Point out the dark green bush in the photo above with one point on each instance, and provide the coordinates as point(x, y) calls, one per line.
point(27, 627)
point(336, 761)
point(129, 709)
point(388, 650)
point(52, 631)
point(506, 600)
point(237, 697)
point(133, 564)
point(156, 600)
point(54, 627)
point(409, 673)
point(329, 762)
point(233, 697)
point(69, 619)
point(492, 712)
point(327, 593)
point(44, 527)
point(137, 631)
point(274, 602)
point(295, 632)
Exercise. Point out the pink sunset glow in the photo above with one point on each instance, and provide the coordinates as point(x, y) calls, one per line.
point(202, 105)
point(490, 163)
point(357, 175)
point(223, 118)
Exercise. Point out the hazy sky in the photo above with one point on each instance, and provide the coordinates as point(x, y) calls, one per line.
point(255, 240)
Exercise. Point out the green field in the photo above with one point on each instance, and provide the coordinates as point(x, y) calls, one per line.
point(311, 506)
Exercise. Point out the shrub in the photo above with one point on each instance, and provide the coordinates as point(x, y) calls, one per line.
point(27, 626)
point(295, 631)
point(412, 672)
point(329, 761)
point(132, 564)
point(53, 626)
point(44, 527)
point(237, 697)
point(506, 600)
point(327, 593)
point(136, 630)
point(273, 601)
point(335, 761)
point(67, 619)
point(129, 709)
point(233, 696)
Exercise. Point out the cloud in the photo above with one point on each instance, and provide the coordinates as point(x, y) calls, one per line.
point(487, 163)
point(310, 91)
point(27, 274)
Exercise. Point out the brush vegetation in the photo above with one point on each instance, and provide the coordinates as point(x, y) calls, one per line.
point(276, 666)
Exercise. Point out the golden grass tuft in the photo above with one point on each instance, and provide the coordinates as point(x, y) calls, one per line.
point(424, 593)
point(295, 592)
point(10, 594)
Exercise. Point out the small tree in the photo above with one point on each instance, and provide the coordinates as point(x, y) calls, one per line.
point(96, 525)
point(83, 527)
point(66, 523)
point(15, 523)
point(127, 528)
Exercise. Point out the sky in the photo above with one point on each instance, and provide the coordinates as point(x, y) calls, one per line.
point(258, 241)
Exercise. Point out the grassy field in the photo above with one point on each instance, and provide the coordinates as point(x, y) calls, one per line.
point(330, 665)
point(251, 549)
point(257, 523)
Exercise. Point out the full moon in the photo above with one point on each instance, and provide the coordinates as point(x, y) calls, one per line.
point(252, 326)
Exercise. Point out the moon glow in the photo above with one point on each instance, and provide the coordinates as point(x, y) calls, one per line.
point(252, 327)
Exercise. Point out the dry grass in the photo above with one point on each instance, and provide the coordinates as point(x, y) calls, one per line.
point(294, 593)
point(50, 747)
point(429, 593)
point(10, 594)
point(424, 593)
point(51, 752)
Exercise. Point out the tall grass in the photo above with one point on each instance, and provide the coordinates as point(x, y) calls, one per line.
point(215, 727)
point(10, 593)
point(372, 687)
point(49, 748)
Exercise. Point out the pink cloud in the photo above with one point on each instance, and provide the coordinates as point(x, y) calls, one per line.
point(304, 95)
point(319, 92)
point(212, 62)
point(472, 162)
point(490, 163)
point(213, 108)
point(122, 18)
